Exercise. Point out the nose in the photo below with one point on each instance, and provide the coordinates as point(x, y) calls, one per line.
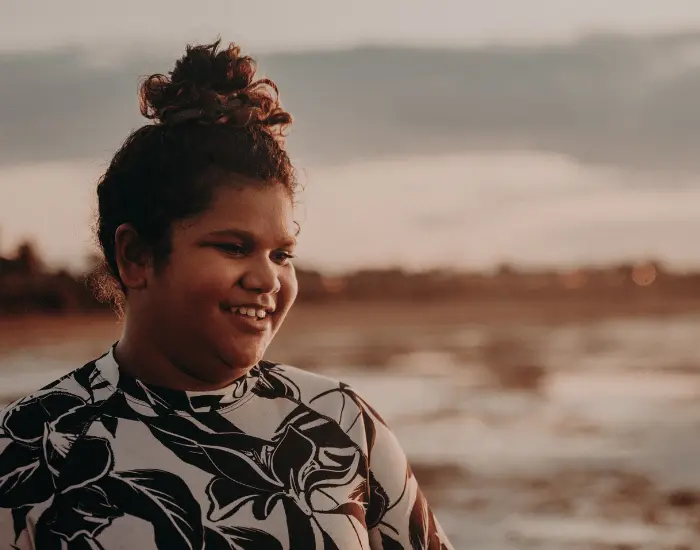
point(261, 276)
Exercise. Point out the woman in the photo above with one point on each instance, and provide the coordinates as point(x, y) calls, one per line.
point(181, 435)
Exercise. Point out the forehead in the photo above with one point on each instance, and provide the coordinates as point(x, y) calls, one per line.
point(267, 212)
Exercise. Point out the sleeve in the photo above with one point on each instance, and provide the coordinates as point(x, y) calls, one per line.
point(19, 468)
point(398, 516)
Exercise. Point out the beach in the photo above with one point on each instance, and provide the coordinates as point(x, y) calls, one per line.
point(548, 430)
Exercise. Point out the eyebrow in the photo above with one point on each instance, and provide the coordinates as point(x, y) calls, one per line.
point(248, 236)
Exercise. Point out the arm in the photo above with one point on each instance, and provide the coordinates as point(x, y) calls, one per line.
point(398, 517)
point(26, 484)
point(16, 467)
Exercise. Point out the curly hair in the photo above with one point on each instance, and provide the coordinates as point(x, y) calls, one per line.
point(210, 120)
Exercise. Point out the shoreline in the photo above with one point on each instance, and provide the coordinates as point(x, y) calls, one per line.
point(569, 309)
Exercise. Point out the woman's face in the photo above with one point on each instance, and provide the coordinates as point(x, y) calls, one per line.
point(228, 284)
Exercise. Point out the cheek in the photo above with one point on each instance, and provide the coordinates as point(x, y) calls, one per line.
point(201, 280)
point(289, 287)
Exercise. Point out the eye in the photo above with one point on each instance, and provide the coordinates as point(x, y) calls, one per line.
point(282, 257)
point(231, 248)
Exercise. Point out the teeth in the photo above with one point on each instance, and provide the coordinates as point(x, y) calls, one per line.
point(250, 312)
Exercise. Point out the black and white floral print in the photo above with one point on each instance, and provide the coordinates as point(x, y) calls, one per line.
point(283, 459)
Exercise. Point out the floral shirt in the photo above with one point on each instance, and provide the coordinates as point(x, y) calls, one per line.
point(282, 459)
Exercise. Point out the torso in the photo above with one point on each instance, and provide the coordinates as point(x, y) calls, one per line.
point(277, 461)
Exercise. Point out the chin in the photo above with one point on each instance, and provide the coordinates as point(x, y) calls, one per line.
point(241, 358)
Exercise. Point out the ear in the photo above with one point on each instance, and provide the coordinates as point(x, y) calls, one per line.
point(134, 257)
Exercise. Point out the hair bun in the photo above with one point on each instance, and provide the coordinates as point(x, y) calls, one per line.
point(215, 86)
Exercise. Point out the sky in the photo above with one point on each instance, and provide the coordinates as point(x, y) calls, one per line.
point(282, 24)
point(463, 211)
point(555, 150)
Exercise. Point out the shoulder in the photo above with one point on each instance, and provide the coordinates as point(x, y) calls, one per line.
point(40, 431)
point(25, 419)
point(327, 396)
point(295, 383)
point(280, 380)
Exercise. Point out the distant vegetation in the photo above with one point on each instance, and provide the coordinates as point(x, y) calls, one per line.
point(27, 286)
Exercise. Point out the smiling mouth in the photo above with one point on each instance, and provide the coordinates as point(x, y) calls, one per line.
point(251, 318)
point(250, 312)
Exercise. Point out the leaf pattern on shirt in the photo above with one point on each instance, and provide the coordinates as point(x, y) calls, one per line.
point(57, 455)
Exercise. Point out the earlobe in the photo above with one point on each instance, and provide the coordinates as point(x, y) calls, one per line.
point(132, 255)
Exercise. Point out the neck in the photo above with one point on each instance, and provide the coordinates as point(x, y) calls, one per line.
point(141, 356)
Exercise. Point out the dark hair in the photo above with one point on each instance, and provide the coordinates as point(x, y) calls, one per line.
point(211, 119)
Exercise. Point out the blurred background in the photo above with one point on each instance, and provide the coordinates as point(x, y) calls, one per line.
point(499, 234)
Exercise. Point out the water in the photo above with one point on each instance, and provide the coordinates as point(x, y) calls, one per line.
point(589, 457)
